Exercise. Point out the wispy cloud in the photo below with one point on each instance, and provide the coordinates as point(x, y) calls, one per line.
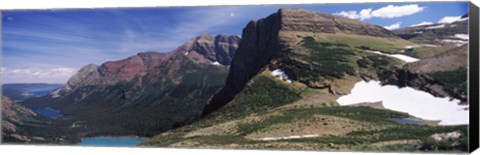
point(449, 19)
point(390, 11)
point(421, 24)
point(393, 26)
point(36, 75)
point(50, 39)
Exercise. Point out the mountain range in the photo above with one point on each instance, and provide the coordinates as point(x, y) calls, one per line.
point(274, 87)
point(20, 91)
point(146, 93)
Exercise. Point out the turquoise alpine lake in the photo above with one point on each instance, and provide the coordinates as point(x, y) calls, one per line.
point(111, 141)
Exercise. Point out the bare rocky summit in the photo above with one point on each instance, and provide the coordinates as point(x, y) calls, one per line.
point(309, 21)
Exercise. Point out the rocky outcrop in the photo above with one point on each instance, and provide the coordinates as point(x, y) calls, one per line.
point(452, 59)
point(404, 77)
point(268, 38)
point(260, 43)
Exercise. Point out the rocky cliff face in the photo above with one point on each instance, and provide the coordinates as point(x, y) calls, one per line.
point(277, 34)
point(214, 49)
point(260, 42)
point(149, 92)
point(13, 116)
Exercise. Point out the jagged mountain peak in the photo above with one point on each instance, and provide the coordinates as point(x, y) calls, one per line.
point(204, 37)
point(204, 48)
point(207, 48)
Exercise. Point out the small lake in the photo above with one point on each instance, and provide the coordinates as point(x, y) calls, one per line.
point(111, 141)
point(417, 103)
point(48, 112)
point(408, 121)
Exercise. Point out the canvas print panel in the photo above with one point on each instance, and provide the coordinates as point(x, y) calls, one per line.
point(329, 77)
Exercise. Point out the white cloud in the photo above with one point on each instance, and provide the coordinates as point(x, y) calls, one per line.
point(449, 19)
point(390, 11)
point(2, 70)
point(393, 26)
point(37, 75)
point(348, 14)
point(422, 24)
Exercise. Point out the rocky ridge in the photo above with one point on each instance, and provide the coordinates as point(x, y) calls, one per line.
point(144, 94)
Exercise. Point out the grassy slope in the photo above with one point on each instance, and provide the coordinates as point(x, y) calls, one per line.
point(381, 44)
point(251, 119)
point(268, 105)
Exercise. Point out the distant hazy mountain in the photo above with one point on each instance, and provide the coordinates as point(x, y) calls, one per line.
point(437, 33)
point(21, 91)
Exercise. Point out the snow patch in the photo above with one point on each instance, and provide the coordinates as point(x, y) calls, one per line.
point(216, 63)
point(436, 27)
point(430, 45)
point(288, 137)
point(420, 45)
point(463, 19)
point(56, 93)
point(462, 36)
point(281, 74)
point(414, 102)
point(405, 58)
point(402, 57)
point(418, 32)
point(186, 53)
point(457, 42)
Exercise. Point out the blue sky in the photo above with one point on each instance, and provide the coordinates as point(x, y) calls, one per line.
point(50, 45)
